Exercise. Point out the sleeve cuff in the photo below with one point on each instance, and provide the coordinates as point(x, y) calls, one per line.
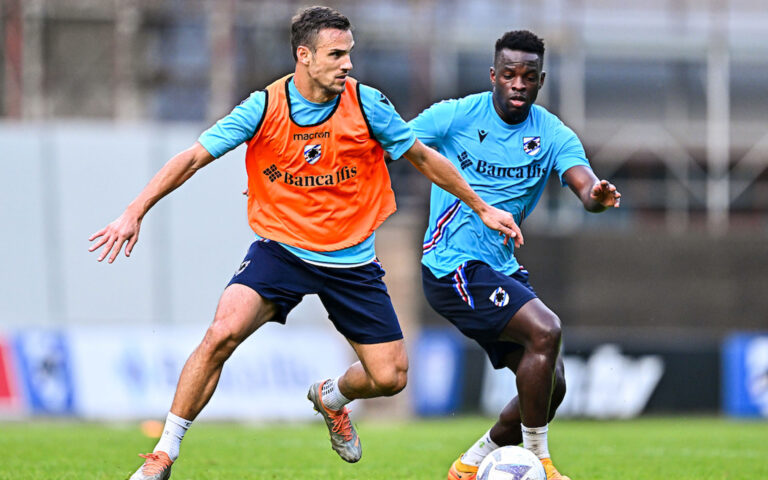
point(402, 147)
point(203, 140)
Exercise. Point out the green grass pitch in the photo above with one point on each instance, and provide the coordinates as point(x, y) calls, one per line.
point(645, 449)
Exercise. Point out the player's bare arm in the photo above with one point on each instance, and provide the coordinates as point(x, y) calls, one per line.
point(596, 195)
point(443, 174)
point(126, 227)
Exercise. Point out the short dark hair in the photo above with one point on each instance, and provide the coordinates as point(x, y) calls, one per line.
point(522, 40)
point(308, 22)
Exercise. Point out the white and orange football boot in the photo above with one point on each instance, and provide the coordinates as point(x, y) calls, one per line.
point(552, 473)
point(344, 439)
point(461, 471)
point(157, 466)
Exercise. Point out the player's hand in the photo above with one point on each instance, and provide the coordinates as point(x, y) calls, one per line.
point(504, 223)
point(605, 193)
point(115, 235)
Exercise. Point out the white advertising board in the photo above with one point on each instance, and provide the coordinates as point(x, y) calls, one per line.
point(131, 372)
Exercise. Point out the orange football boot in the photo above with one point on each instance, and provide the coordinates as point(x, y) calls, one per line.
point(552, 473)
point(461, 471)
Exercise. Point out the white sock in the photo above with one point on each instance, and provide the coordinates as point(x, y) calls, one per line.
point(535, 440)
point(332, 397)
point(170, 442)
point(479, 450)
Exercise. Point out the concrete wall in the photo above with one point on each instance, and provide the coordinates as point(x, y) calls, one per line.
point(61, 183)
point(681, 286)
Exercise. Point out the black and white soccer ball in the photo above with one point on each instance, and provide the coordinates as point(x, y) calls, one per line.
point(511, 463)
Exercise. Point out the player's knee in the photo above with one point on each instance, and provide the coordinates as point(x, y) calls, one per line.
point(392, 385)
point(219, 342)
point(391, 381)
point(548, 334)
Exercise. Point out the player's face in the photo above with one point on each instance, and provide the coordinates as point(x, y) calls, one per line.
point(516, 78)
point(330, 62)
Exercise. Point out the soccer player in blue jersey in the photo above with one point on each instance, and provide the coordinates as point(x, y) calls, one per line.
point(318, 189)
point(506, 147)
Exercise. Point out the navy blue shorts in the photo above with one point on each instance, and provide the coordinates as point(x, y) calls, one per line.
point(356, 298)
point(480, 301)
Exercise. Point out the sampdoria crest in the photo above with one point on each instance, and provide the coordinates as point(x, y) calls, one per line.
point(531, 145)
point(499, 297)
point(312, 153)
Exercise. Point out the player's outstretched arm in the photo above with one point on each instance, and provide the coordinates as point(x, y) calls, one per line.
point(596, 195)
point(442, 172)
point(126, 227)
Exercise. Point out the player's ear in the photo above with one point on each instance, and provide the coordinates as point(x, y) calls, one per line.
point(541, 79)
point(303, 55)
point(493, 75)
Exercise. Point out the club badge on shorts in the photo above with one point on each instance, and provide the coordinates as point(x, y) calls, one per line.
point(242, 267)
point(499, 297)
point(312, 153)
point(531, 145)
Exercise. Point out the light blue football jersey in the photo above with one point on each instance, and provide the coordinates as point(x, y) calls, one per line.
point(507, 165)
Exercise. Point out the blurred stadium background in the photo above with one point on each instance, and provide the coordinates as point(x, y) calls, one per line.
point(663, 302)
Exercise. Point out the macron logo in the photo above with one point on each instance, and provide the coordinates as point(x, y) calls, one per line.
point(310, 136)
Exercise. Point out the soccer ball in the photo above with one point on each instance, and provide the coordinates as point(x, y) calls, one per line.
point(511, 463)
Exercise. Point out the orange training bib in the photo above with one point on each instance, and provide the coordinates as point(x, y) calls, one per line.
point(322, 187)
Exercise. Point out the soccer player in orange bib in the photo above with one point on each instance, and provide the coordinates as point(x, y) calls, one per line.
point(318, 189)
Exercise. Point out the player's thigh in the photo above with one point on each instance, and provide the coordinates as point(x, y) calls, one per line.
point(240, 312)
point(530, 323)
point(280, 278)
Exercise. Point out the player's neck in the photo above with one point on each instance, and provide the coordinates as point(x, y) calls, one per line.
point(310, 90)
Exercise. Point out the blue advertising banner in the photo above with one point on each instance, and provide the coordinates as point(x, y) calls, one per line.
point(437, 372)
point(45, 371)
point(745, 375)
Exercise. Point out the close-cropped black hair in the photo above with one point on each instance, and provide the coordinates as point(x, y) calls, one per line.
point(309, 21)
point(522, 40)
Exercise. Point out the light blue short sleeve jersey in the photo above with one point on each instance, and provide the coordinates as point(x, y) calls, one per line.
point(507, 165)
point(390, 130)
